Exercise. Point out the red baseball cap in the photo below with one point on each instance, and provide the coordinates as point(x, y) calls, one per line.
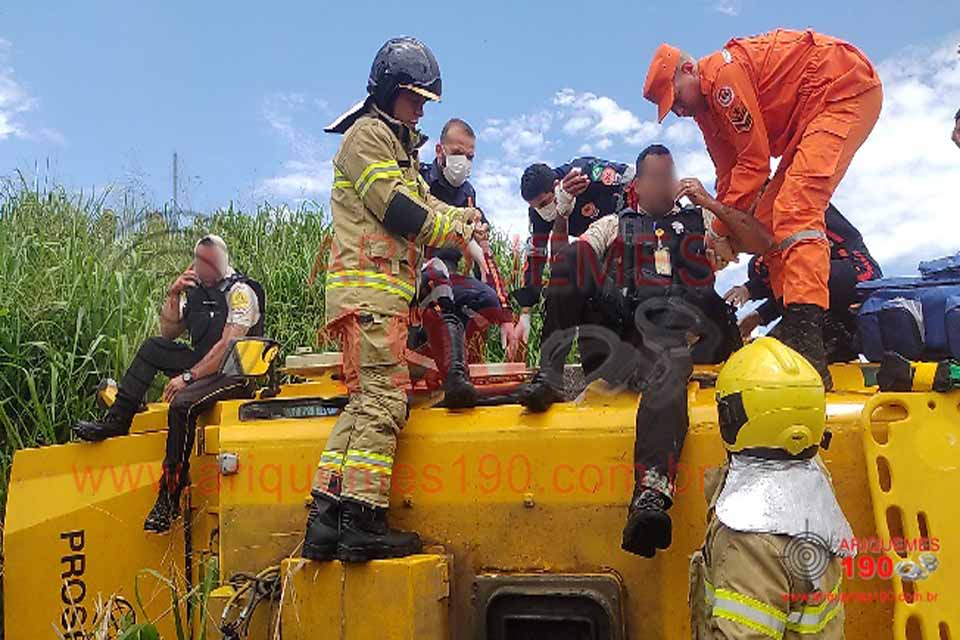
point(658, 87)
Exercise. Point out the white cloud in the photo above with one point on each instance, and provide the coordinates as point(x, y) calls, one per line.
point(299, 180)
point(900, 187)
point(594, 116)
point(683, 132)
point(310, 173)
point(523, 138)
point(728, 7)
point(498, 194)
point(15, 101)
point(899, 190)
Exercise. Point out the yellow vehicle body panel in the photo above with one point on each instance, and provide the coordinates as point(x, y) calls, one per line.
point(914, 472)
point(493, 491)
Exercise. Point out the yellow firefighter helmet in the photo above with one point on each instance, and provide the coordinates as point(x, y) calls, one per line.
point(770, 402)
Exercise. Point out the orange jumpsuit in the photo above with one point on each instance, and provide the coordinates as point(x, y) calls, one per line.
point(807, 98)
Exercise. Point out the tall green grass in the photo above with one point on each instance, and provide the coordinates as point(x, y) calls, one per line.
point(81, 287)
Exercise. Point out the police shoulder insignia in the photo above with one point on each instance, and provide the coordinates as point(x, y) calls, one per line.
point(740, 118)
point(725, 96)
point(609, 176)
point(239, 298)
point(595, 174)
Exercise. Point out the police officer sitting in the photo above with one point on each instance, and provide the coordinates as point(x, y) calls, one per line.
point(456, 306)
point(644, 276)
point(563, 201)
point(652, 248)
point(213, 303)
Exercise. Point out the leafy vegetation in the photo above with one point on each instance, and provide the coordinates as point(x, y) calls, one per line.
point(81, 286)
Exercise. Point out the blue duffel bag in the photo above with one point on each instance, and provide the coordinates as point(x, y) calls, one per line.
point(917, 317)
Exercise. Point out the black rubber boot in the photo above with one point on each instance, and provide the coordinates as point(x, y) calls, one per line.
point(167, 507)
point(458, 391)
point(366, 535)
point(115, 423)
point(96, 431)
point(323, 528)
point(801, 329)
point(545, 389)
point(648, 524)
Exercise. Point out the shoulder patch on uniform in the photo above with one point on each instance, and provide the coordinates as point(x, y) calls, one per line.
point(726, 55)
point(740, 118)
point(239, 298)
point(609, 176)
point(725, 96)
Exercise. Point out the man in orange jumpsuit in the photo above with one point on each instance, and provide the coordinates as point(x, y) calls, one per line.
point(799, 95)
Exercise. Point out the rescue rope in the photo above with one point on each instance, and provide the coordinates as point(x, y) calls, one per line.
point(249, 591)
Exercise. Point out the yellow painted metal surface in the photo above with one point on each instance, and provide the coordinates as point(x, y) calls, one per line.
point(74, 536)
point(498, 490)
point(914, 471)
point(401, 599)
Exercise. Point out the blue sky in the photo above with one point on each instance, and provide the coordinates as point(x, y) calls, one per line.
point(103, 92)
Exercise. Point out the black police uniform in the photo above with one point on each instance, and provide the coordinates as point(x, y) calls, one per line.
point(653, 288)
point(602, 197)
point(204, 315)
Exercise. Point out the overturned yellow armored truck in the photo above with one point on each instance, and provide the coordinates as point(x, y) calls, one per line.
point(520, 513)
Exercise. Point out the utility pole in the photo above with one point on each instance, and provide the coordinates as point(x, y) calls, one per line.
point(176, 210)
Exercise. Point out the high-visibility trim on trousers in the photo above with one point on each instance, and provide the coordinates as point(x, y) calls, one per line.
point(372, 280)
point(815, 618)
point(750, 612)
point(767, 619)
point(331, 460)
point(369, 461)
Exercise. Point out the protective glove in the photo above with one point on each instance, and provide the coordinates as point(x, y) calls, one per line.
point(564, 201)
point(523, 327)
point(475, 251)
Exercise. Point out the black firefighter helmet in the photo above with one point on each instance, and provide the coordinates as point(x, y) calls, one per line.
point(401, 63)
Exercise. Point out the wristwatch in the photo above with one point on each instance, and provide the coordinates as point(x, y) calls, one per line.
point(187, 376)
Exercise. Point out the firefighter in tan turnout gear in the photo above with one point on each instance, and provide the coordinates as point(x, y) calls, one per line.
point(770, 566)
point(383, 213)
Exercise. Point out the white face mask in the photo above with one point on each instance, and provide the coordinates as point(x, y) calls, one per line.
point(457, 169)
point(548, 212)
